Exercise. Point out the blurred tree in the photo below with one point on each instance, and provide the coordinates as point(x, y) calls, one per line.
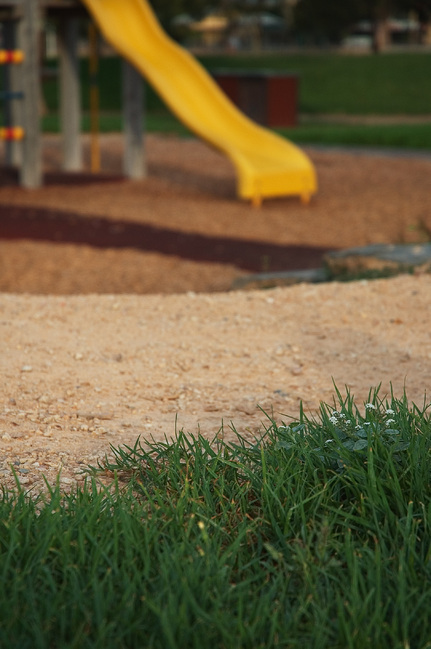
point(325, 20)
point(166, 10)
point(379, 12)
point(330, 20)
point(322, 21)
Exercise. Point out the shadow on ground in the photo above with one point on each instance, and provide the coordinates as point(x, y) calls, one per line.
point(62, 227)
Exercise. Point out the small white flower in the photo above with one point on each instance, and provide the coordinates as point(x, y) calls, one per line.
point(348, 421)
point(367, 423)
point(358, 427)
point(328, 441)
point(390, 421)
point(342, 415)
point(389, 411)
point(370, 406)
point(333, 420)
point(335, 414)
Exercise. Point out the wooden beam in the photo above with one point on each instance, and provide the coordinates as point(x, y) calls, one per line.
point(8, 4)
point(134, 164)
point(70, 102)
point(10, 10)
point(60, 4)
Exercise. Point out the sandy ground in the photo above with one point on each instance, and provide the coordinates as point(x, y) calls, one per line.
point(117, 320)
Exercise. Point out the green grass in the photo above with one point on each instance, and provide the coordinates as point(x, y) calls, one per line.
point(387, 84)
point(408, 136)
point(361, 85)
point(318, 535)
point(160, 121)
point(403, 136)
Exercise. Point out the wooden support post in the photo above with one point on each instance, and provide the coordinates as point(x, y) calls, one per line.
point(133, 113)
point(70, 103)
point(93, 69)
point(31, 168)
point(13, 84)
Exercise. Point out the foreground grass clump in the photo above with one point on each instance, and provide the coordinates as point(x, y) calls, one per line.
point(317, 536)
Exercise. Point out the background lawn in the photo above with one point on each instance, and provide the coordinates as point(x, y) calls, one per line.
point(329, 84)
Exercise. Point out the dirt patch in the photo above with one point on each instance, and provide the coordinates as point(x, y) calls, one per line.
point(183, 228)
point(81, 372)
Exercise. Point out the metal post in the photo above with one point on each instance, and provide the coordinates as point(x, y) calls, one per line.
point(70, 104)
point(133, 112)
point(31, 168)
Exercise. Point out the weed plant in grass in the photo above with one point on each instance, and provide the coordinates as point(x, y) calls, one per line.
point(317, 536)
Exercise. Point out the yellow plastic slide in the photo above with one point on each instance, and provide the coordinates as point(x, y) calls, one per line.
point(267, 165)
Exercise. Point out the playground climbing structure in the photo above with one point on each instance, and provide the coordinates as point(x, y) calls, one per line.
point(266, 164)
